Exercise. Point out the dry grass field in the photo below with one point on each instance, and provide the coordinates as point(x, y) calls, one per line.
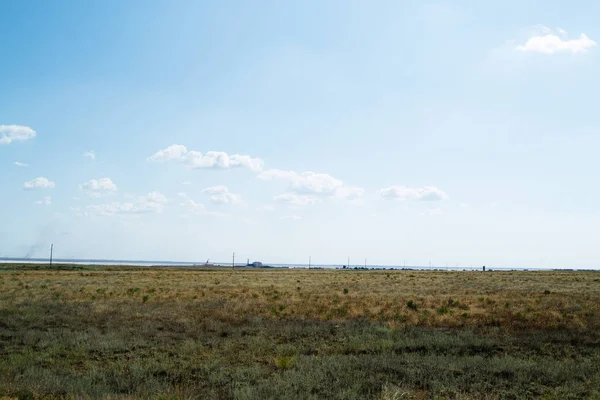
point(123, 333)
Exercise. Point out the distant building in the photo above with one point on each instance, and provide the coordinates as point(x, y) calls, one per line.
point(256, 264)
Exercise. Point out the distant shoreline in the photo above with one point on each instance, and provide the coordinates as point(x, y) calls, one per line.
point(189, 264)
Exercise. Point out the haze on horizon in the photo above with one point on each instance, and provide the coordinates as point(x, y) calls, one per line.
point(465, 133)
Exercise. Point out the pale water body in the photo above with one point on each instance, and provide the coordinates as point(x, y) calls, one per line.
point(157, 263)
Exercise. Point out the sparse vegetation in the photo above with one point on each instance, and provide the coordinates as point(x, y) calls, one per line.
point(412, 305)
point(92, 332)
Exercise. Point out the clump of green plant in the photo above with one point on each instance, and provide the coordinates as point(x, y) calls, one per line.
point(284, 362)
point(412, 305)
point(457, 304)
point(25, 395)
point(145, 298)
point(346, 290)
point(132, 291)
point(441, 310)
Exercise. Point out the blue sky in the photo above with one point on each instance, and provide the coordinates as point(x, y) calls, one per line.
point(461, 132)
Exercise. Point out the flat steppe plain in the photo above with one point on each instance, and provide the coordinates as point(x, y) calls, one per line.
point(166, 333)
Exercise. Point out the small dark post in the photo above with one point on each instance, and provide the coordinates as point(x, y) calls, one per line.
point(484, 268)
point(233, 263)
point(51, 251)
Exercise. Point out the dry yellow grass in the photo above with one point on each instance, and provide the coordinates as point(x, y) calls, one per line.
point(541, 299)
point(121, 333)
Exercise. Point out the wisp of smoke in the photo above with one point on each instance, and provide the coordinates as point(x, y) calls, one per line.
point(42, 240)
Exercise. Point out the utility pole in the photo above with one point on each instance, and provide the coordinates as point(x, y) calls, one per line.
point(309, 260)
point(233, 263)
point(51, 251)
point(365, 263)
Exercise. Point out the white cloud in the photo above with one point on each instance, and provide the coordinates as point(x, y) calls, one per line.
point(186, 183)
point(463, 205)
point(306, 182)
point(222, 195)
point(349, 193)
point(155, 197)
point(434, 211)
point(295, 200)
point(551, 42)
point(174, 152)
point(39, 183)
point(20, 164)
point(90, 154)
point(118, 208)
point(211, 159)
point(193, 207)
point(153, 202)
point(427, 193)
point(312, 183)
point(10, 133)
point(47, 200)
point(292, 217)
point(96, 188)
